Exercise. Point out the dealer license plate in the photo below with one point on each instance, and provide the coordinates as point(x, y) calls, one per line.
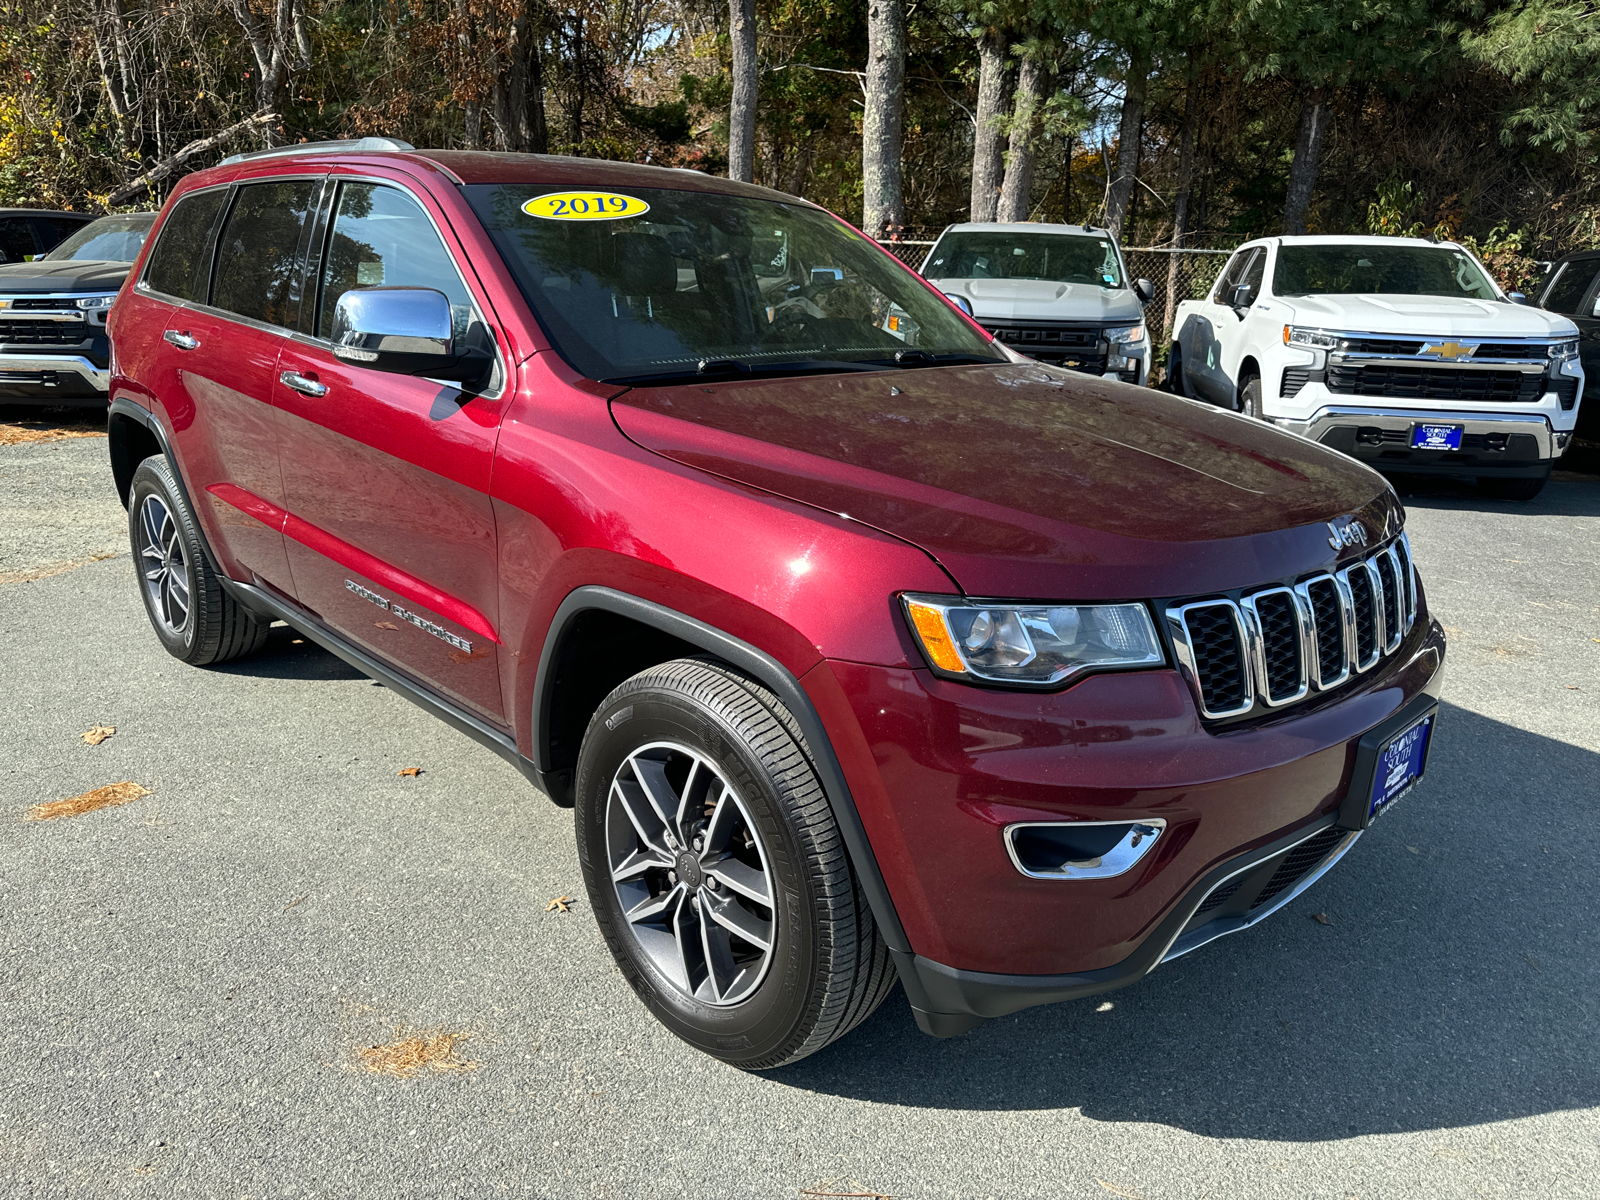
point(1436, 437)
point(1400, 765)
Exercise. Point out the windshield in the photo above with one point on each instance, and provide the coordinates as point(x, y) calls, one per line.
point(1379, 270)
point(651, 285)
point(1060, 257)
point(110, 239)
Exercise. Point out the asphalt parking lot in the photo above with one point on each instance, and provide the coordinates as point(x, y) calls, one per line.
point(188, 981)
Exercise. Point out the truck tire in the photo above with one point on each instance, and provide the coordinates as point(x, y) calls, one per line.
point(716, 871)
point(1250, 396)
point(1175, 371)
point(195, 620)
point(1513, 489)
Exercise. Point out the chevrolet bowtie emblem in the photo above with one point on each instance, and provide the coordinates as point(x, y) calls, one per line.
point(1448, 350)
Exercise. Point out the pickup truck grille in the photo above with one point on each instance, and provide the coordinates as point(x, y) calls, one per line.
point(1061, 343)
point(1435, 383)
point(1275, 646)
point(43, 333)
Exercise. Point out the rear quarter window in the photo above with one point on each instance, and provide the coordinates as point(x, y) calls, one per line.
point(181, 260)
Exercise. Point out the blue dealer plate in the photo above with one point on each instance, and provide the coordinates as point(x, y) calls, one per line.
point(1400, 765)
point(1436, 437)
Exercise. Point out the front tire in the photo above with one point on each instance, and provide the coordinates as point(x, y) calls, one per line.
point(195, 620)
point(1250, 397)
point(1513, 489)
point(1175, 371)
point(716, 871)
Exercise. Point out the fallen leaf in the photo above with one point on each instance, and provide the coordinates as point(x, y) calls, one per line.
point(409, 772)
point(109, 796)
point(386, 625)
point(1321, 918)
point(1118, 1191)
point(98, 734)
point(414, 1051)
point(1571, 687)
point(1413, 850)
point(559, 904)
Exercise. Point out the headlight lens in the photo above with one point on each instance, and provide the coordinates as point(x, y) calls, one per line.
point(1125, 334)
point(1030, 645)
point(1313, 339)
point(93, 302)
point(1564, 351)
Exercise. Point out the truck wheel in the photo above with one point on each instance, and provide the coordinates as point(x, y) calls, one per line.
point(716, 871)
point(1513, 489)
point(1250, 397)
point(1175, 372)
point(193, 617)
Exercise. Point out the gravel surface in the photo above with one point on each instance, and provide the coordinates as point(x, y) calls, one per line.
point(187, 980)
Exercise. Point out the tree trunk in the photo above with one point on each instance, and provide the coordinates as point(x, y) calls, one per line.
point(1033, 84)
point(532, 129)
point(742, 109)
point(1314, 116)
point(798, 169)
point(883, 127)
point(1180, 203)
point(1128, 142)
point(987, 160)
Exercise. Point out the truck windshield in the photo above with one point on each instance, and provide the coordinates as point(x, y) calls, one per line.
point(1379, 270)
point(651, 285)
point(1058, 257)
point(110, 239)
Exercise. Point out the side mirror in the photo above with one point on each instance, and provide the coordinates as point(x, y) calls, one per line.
point(960, 302)
point(1595, 311)
point(1243, 296)
point(404, 330)
point(1516, 297)
point(1145, 290)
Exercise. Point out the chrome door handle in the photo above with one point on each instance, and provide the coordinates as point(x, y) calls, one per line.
point(182, 341)
point(306, 387)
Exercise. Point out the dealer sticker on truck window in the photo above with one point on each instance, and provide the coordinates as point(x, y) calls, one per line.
point(585, 206)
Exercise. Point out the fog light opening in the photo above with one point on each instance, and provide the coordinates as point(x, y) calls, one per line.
point(1080, 849)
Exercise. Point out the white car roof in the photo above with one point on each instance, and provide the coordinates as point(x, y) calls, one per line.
point(1348, 239)
point(1024, 227)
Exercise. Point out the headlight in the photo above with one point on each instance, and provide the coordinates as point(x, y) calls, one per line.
point(96, 301)
point(1030, 645)
point(1564, 351)
point(1125, 334)
point(1313, 339)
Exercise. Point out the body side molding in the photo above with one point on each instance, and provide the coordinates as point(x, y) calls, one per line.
point(770, 673)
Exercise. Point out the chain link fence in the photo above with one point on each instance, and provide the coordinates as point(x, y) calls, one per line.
point(1178, 275)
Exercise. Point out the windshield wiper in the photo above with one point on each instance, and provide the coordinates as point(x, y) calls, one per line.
point(734, 368)
point(907, 359)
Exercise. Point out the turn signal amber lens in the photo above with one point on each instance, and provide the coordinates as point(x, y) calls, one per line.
point(930, 626)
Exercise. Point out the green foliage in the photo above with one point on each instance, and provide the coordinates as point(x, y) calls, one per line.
point(1552, 49)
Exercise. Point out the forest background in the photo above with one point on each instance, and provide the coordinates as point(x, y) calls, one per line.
point(1197, 124)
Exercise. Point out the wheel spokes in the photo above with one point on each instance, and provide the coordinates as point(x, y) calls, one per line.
point(721, 970)
point(641, 814)
point(735, 918)
point(658, 793)
point(745, 880)
point(654, 906)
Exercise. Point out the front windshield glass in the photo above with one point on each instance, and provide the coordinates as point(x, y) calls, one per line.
point(1379, 270)
point(1058, 257)
point(110, 239)
point(649, 285)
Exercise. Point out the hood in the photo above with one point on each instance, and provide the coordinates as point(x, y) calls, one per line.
point(1428, 316)
point(1024, 299)
point(69, 275)
point(1028, 481)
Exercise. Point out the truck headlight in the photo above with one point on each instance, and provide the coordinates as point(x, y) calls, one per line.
point(1564, 351)
point(1030, 645)
point(1125, 335)
point(96, 302)
point(1312, 339)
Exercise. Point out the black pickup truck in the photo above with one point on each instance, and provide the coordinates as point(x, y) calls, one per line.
point(53, 345)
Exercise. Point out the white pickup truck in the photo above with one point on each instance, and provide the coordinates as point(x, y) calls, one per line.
point(1400, 352)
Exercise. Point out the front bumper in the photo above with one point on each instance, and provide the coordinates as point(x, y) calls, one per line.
point(52, 378)
point(1506, 444)
point(945, 768)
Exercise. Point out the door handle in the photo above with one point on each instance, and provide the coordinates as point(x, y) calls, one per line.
point(182, 341)
point(306, 387)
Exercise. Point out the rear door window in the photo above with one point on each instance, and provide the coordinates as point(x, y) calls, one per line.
point(181, 260)
point(381, 237)
point(16, 239)
point(1571, 284)
point(258, 253)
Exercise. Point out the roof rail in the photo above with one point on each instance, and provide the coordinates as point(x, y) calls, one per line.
point(366, 143)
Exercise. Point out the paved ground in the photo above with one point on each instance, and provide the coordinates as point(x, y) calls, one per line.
point(185, 981)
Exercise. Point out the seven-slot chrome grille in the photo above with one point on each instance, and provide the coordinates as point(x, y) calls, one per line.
point(1276, 645)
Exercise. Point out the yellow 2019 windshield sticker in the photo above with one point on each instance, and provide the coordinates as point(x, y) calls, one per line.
point(585, 206)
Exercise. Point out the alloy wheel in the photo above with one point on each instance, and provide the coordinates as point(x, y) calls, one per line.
point(691, 874)
point(162, 563)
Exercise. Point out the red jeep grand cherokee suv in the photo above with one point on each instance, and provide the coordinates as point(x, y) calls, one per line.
point(865, 649)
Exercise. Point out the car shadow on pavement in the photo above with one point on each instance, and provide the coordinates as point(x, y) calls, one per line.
point(1453, 984)
point(1561, 497)
point(288, 655)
